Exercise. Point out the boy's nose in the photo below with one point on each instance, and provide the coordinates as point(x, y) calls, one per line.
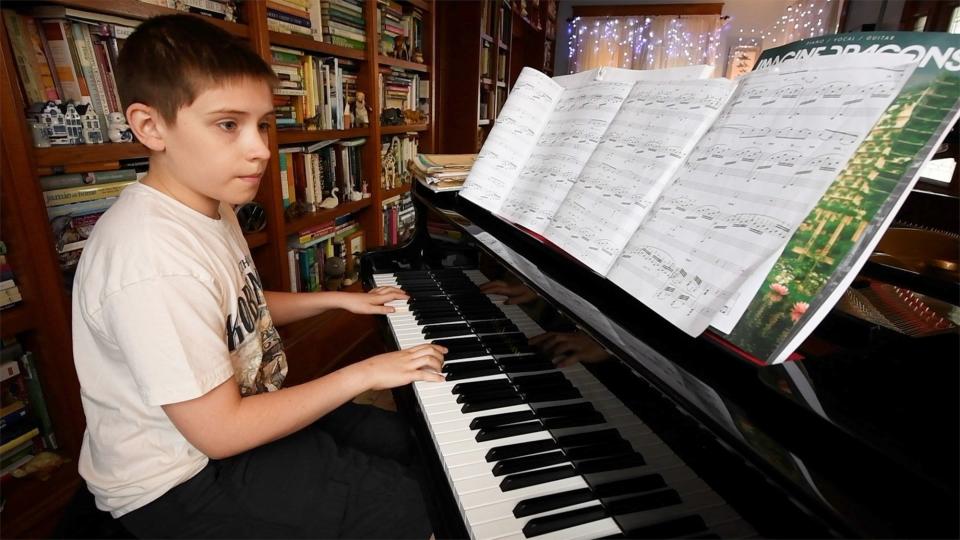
point(259, 148)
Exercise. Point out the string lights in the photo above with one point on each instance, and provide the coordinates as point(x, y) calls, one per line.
point(677, 40)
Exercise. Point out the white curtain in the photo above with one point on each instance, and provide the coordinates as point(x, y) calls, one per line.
point(644, 42)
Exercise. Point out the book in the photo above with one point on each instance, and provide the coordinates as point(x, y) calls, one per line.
point(58, 197)
point(61, 181)
point(785, 299)
point(673, 187)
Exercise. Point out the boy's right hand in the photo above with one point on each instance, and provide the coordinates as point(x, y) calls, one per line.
point(420, 363)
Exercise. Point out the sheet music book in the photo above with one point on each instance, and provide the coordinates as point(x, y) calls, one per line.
point(674, 188)
point(786, 297)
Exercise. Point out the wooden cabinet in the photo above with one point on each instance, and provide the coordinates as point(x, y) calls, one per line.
point(42, 320)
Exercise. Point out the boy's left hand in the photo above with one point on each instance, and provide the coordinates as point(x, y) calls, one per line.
point(372, 302)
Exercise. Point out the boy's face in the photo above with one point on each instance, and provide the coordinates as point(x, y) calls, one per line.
point(217, 150)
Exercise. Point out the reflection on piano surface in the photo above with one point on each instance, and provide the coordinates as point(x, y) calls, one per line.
point(654, 434)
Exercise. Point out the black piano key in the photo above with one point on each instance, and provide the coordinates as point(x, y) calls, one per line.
point(673, 528)
point(533, 478)
point(452, 343)
point(528, 463)
point(488, 405)
point(554, 501)
point(437, 319)
point(501, 419)
point(470, 365)
point(512, 430)
point(487, 395)
point(462, 354)
point(610, 463)
point(438, 331)
point(589, 437)
point(563, 520)
point(507, 451)
point(463, 388)
point(644, 502)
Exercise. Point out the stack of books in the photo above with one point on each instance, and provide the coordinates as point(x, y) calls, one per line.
point(442, 172)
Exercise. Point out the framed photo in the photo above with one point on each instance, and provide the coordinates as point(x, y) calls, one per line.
point(741, 60)
point(355, 246)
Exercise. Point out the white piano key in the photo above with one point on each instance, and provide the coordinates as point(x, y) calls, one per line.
point(510, 525)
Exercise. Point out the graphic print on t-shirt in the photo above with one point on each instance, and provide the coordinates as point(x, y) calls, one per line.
point(259, 362)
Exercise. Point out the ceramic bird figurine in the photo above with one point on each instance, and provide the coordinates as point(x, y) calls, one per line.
point(331, 201)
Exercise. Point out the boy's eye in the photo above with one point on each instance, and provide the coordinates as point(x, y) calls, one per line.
point(228, 125)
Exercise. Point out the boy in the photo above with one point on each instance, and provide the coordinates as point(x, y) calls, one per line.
point(189, 433)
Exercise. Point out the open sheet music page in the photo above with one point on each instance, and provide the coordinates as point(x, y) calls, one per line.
point(657, 126)
point(586, 109)
point(780, 141)
point(512, 139)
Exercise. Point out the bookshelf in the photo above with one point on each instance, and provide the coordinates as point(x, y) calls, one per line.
point(486, 45)
point(41, 321)
point(474, 70)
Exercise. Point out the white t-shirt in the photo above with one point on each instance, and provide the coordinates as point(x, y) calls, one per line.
point(167, 305)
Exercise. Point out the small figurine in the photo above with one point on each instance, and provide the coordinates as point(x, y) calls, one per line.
point(92, 134)
point(400, 48)
point(361, 117)
point(118, 130)
point(333, 268)
point(332, 201)
point(74, 125)
point(424, 107)
point(418, 56)
point(54, 123)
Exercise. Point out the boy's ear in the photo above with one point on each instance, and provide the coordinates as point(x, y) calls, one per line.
point(147, 125)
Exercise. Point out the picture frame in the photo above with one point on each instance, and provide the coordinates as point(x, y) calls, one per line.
point(741, 59)
point(354, 243)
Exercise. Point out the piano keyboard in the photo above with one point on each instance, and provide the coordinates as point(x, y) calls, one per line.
point(533, 451)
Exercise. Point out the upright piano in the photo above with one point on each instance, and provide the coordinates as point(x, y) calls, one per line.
point(667, 436)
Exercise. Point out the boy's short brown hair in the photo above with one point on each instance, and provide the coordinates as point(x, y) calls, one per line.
point(169, 60)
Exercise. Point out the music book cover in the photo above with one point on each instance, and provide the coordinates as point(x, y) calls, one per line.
point(784, 301)
point(676, 188)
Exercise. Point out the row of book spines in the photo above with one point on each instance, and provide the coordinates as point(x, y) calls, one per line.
point(9, 293)
point(307, 263)
point(309, 175)
point(399, 218)
point(79, 56)
point(24, 415)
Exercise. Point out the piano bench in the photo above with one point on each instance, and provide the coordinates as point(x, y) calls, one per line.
point(82, 519)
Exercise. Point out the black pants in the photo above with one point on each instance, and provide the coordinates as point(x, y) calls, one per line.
point(349, 475)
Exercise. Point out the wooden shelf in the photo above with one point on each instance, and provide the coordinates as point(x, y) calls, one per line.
point(89, 153)
point(134, 9)
point(315, 218)
point(257, 239)
point(396, 191)
point(504, 46)
point(419, 4)
point(294, 136)
point(15, 319)
point(486, 37)
point(305, 43)
point(32, 504)
point(391, 130)
point(389, 61)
